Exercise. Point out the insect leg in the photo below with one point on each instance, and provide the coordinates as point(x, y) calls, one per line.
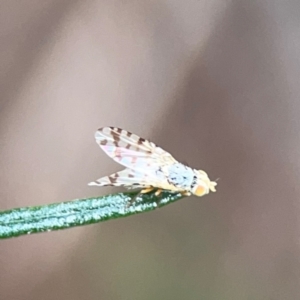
point(185, 193)
point(143, 191)
point(158, 192)
point(147, 190)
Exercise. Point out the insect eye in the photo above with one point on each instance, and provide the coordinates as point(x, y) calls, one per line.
point(200, 190)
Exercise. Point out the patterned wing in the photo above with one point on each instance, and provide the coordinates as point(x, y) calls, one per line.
point(132, 151)
point(127, 178)
point(132, 179)
point(146, 164)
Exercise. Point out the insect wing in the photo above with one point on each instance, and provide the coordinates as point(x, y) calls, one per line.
point(130, 150)
point(126, 178)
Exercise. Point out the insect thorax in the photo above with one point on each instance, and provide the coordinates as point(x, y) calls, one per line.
point(181, 176)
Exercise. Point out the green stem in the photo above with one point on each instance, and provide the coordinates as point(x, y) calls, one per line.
point(57, 216)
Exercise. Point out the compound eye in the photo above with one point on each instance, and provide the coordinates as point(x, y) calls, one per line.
point(200, 190)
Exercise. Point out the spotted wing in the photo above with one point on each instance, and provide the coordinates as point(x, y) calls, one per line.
point(132, 179)
point(127, 178)
point(132, 151)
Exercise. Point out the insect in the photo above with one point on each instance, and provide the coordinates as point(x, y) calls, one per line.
point(148, 167)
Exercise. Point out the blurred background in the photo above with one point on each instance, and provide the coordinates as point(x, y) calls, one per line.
point(216, 83)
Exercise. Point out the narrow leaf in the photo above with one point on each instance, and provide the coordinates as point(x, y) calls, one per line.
point(57, 216)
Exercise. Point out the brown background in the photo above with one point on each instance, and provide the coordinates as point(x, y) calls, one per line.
point(216, 83)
